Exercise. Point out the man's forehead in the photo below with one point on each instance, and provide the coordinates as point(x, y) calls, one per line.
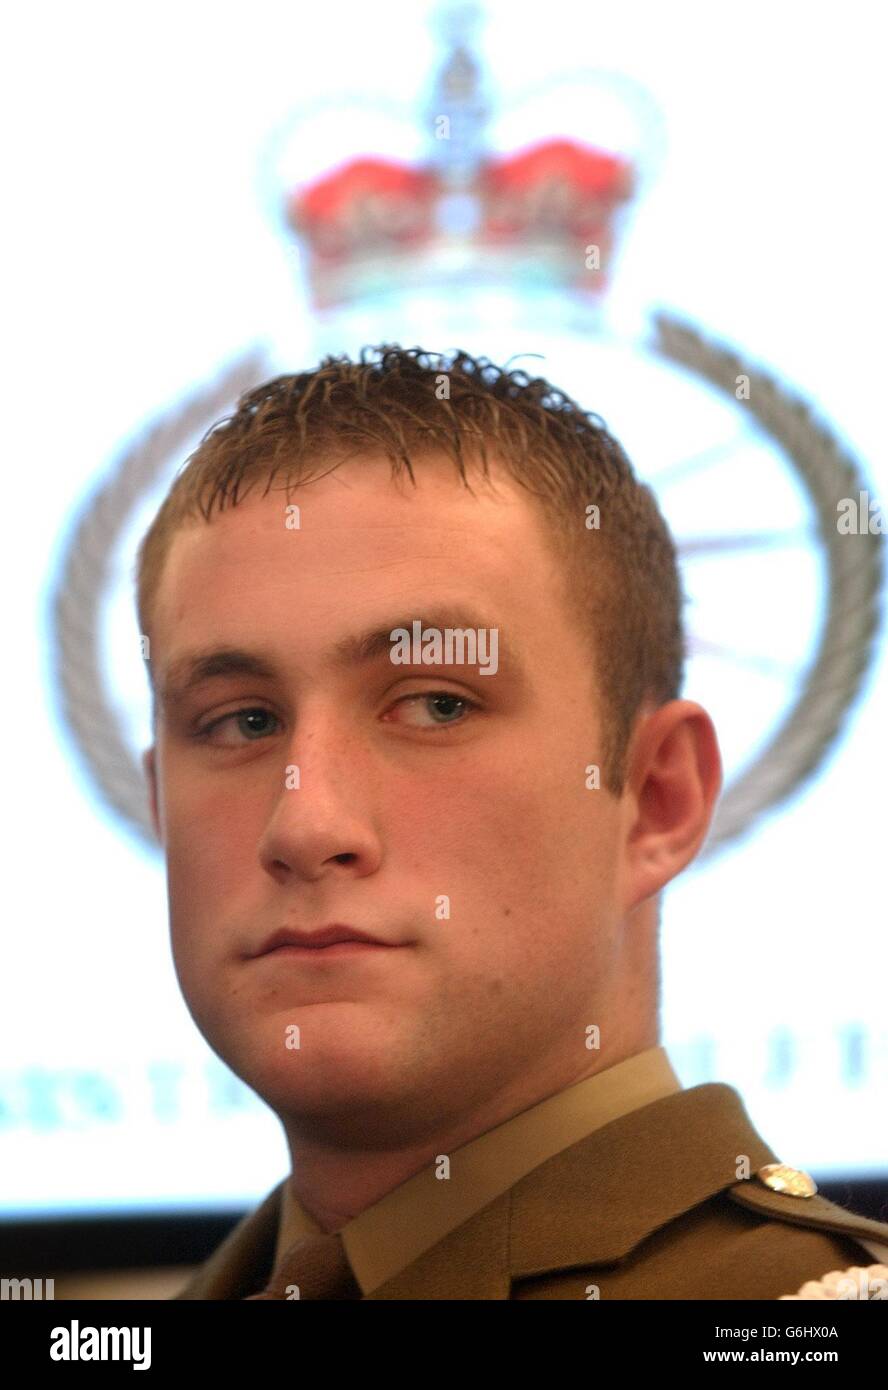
point(215, 568)
point(495, 536)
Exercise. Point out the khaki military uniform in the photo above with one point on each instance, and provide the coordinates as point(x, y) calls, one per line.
point(622, 1186)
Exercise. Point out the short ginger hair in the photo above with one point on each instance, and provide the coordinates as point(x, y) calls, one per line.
point(621, 577)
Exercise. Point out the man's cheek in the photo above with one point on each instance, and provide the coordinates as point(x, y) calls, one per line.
point(202, 856)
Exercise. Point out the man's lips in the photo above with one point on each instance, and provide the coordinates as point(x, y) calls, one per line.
point(331, 952)
point(337, 938)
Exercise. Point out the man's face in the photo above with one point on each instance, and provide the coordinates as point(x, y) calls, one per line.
point(461, 834)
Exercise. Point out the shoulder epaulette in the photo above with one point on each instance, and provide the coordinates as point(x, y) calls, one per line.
point(789, 1194)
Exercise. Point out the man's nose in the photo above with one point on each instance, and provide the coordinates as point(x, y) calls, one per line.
point(321, 816)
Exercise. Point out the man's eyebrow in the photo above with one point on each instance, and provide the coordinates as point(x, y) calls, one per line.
point(192, 669)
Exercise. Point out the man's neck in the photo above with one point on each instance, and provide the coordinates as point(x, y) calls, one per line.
point(334, 1183)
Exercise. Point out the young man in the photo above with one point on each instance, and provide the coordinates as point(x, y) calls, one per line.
point(421, 770)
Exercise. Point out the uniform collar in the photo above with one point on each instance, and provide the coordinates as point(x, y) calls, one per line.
point(594, 1202)
point(387, 1237)
point(591, 1203)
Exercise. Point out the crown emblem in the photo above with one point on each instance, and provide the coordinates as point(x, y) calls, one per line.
point(475, 205)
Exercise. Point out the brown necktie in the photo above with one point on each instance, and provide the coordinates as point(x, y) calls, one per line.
point(318, 1266)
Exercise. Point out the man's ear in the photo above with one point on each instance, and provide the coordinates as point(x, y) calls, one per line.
point(674, 779)
point(149, 763)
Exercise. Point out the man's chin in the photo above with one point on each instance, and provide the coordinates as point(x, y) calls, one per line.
point(345, 1105)
point(319, 1067)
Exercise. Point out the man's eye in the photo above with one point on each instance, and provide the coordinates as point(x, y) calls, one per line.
point(251, 723)
point(442, 702)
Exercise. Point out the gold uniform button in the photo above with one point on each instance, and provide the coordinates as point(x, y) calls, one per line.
point(792, 1182)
